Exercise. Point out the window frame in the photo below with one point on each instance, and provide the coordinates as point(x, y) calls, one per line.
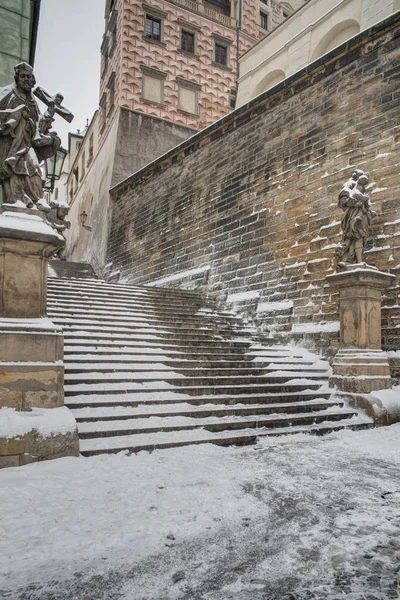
point(264, 15)
point(225, 43)
point(187, 34)
point(156, 74)
point(154, 15)
point(153, 20)
point(189, 85)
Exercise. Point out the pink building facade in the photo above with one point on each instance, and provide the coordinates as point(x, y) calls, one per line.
point(177, 60)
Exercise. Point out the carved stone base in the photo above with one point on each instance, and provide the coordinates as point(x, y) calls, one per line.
point(360, 366)
point(31, 364)
point(360, 371)
point(34, 424)
point(26, 243)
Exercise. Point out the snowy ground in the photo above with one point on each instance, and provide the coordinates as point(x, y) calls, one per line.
point(295, 518)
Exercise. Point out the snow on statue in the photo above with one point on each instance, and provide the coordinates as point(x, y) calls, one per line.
point(26, 139)
point(356, 220)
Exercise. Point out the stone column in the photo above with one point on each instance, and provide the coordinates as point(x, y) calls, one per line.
point(360, 366)
point(31, 346)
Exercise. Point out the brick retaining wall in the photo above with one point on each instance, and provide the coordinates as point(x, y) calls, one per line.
point(249, 205)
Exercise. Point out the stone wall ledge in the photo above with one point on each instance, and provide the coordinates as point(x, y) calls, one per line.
point(40, 434)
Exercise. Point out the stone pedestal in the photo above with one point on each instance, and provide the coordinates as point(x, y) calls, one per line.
point(31, 346)
point(360, 366)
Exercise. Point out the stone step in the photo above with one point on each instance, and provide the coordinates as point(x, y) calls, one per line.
point(63, 269)
point(76, 314)
point(121, 333)
point(180, 380)
point(162, 346)
point(85, 362)
point(233, 389)
point(197, 369)
point(157, 424)
point(160, 399)
point(100, 284)
point(123, 413)
point(77, 320)
point(136, 301)
point(163, 440)
point(140, 351)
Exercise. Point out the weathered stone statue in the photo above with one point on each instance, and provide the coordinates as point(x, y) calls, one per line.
point(26, 139)
point(354, 201)
point(31, 346)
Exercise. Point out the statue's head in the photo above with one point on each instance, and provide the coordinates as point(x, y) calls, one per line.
point(357, 174)
point(24, 77)
point(363, 180)
point(58, 98)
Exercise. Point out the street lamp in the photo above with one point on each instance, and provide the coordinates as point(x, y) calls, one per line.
point(53, 167)
point(83, 217)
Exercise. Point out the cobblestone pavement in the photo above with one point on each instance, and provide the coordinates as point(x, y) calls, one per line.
point(319, 520)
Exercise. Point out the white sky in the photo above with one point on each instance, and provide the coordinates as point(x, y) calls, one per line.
point(68, 57)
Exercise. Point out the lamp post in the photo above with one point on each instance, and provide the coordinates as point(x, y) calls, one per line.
point(53, 167)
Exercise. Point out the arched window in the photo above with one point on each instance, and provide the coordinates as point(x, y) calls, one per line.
point(268, 81)
point(337, 35)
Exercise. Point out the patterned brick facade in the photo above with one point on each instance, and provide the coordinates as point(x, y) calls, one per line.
point(250, 204)
point(130, 55)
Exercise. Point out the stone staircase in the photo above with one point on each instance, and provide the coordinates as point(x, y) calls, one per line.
point(152, 368)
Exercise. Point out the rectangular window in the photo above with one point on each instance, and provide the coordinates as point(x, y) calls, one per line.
point(153, 28)
point(103, 111)
point(221, 54)
point(263, 20)
point(104, 52)
point(111, 92)
point(112, 27)
point(187, 41)
point(83, 165)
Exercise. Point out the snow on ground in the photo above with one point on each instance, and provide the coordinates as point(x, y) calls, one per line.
point(297, 517)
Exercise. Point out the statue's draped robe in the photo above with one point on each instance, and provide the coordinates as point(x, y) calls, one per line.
point(355, 221)
point(20, 170)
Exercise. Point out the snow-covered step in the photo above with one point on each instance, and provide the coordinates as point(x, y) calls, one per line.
point(147, 367)
point(158, 386)
point(194, 370)
point(110, 413)
point(181, 423)
point(155, 398)
point(137, 443)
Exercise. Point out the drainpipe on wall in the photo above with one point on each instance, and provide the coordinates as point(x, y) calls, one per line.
point(34, 30)
point(238, 28)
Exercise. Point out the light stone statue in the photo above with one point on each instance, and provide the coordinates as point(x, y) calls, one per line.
point(26, 139)
point(356, 220)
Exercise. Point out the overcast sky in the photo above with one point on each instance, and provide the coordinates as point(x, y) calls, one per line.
point(68, 57)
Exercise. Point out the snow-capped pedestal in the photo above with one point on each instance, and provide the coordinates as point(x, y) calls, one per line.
point(26, 244)
point(360, 366)
point(31, 346)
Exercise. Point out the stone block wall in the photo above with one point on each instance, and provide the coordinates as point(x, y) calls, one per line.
point(251, 202)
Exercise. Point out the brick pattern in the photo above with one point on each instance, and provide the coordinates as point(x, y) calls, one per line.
point(255, 196)
point(133, 51)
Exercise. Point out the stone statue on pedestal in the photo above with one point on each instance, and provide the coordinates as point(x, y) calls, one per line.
point(26, 139)
point(356, 220)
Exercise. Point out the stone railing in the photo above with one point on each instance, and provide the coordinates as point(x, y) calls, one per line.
point(211, 14)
